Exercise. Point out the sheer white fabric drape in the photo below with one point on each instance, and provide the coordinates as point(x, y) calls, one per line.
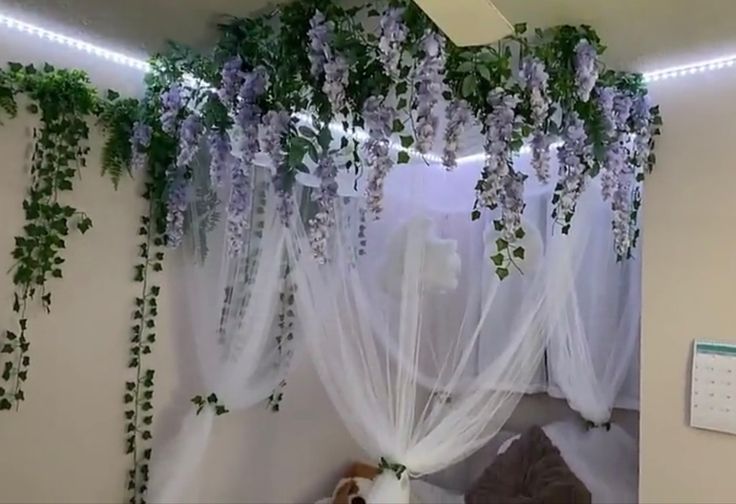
point(401, 364)
point(232, 300)
point(595, 318)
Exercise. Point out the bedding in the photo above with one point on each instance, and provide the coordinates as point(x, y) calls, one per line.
point(530, 471)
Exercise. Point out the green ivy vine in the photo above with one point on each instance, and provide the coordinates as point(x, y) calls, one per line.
point(62, 100)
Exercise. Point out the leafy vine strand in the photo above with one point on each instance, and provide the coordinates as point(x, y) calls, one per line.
point(62, 99)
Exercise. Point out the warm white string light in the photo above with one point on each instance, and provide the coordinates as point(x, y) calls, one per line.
point(122, 59)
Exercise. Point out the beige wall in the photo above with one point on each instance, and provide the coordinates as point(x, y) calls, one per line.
point(66, 443)
point(689, 280)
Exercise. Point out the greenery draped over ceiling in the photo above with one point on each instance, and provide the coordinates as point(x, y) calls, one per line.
point(321, 88)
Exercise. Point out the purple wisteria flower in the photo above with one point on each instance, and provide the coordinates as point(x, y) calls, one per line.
point(179, 180)
point(238, 206)
point(534, 79)
point(428, 79)
point(189, 135)
point(500, 125)
point(642, 129)
point(275, 126)
point(321, 225)
point(248, 117)
point(336, 80)
point(378, 120)
point(320, 31)
point(458, 117)
point(393, 35)
point(231, 79)
point(140, 140)
point(586, 69)
point(221, 157)
point(574, 156)
point(325, 62)
point(512, 206)
point(623, 233)
point(176, 206)
point(172, 101)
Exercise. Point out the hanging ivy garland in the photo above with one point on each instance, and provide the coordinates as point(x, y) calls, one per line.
point(134, 147)
point(63, 100)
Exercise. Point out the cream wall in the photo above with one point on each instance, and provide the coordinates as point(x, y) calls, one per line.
point(66, 443)
point(689, 278)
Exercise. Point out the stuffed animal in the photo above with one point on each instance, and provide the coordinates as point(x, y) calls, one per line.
point(355, 485)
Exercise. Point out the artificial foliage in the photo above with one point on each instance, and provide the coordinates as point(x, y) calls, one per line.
point(133, 147)
point(62, 100)
point(318, 88)
point(321, 88)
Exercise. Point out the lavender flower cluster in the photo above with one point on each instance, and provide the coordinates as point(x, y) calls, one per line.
point(140, 140)
point(615, 110)
point(275, 125)
point(378, 120)
point(172, 102)
point(251, 87)
point(231, 79)
point(500, 125)
point(326, 62)
point(221, 157)
point(586, 69)
point(176, 206)
point(428, 79)
point(574, 155)
point(393, 35)
point(642, 129)
point(178, 179)
point(458, 117)
point(323, 222)
point(534, 78)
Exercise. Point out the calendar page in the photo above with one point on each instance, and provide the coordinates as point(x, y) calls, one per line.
point(713, 391)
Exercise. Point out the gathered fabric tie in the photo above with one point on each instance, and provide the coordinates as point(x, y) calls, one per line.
point(592, 425)
point(397, 469)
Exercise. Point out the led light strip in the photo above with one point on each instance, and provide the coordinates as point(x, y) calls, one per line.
point(79, 45)
point(694, 68)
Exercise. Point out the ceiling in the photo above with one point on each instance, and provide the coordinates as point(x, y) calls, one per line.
point(641, 34)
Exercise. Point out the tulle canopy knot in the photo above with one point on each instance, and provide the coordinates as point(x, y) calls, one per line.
point(397, 469)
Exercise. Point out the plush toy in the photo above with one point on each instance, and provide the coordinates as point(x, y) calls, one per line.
point(355, 485)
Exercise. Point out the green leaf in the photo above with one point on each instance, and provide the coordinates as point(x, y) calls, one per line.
point(325, 138)
point(397, 126)
point(112, 95)
point(48, 68)
point(519, 253)
point(502, 273)
point(475, 215)
point(466, 67)
point(520, 28)
point(84, 225)
point(498, 259)
point(15, 67)
point(220, 410)
point(502, 244)
point(307, 132)
point(403, 158)
point(484, 72)
point(470, 85)
point(407, 141)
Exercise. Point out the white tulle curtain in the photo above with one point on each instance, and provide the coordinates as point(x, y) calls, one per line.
point(395, 334)
point(232, 302)
point(594, 328)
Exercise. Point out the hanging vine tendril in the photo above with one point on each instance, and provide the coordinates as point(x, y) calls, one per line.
point(63, 100)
